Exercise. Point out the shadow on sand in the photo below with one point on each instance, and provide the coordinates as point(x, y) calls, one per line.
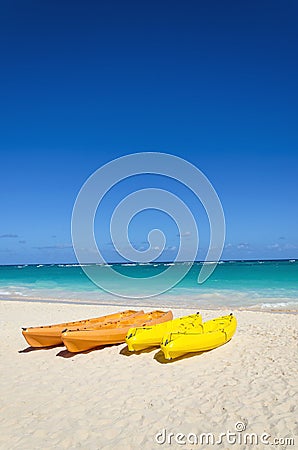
point(35, 349)
point(67, 354)
point(126, 352)
point(159, 357)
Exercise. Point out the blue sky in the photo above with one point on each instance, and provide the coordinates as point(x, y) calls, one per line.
point(213, 82)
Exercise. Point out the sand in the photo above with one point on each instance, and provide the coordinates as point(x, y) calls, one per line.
point(105, 399)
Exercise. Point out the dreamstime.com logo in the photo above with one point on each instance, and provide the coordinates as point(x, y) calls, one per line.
point(103, 180)
point(236, 437)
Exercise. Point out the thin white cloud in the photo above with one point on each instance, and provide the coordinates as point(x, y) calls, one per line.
point(243, 245)
point(54, 247)
point(184, 234)
point(272, 246)
point(290, 246)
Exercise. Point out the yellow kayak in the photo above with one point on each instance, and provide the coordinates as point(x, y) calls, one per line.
point(209, 335)
point(140, 338)
point(49, 335)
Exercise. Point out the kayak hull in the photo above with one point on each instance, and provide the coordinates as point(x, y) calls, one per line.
point(212, 334)
point(108, 334)
point(50, 335)
point(140, 338)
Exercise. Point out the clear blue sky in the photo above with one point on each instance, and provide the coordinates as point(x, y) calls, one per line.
point(214, 82)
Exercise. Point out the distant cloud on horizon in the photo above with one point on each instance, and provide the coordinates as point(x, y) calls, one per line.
point(239, 246)
point(243, 245)
point(9, 236)
point(184, 234)
point(54, 247)
point(272, 246)
point(280, 247)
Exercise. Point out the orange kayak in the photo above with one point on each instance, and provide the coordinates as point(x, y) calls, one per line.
point(110, 333)
point(47, 336)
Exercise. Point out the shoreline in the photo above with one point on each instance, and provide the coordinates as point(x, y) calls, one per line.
point(136, 304)
point(238, 285)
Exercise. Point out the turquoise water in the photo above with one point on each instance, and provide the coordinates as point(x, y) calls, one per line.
point(246, 284)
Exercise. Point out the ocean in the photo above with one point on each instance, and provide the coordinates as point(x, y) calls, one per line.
point(255, 285)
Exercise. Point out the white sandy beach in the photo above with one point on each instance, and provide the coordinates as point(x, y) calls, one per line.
point(105, 399)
